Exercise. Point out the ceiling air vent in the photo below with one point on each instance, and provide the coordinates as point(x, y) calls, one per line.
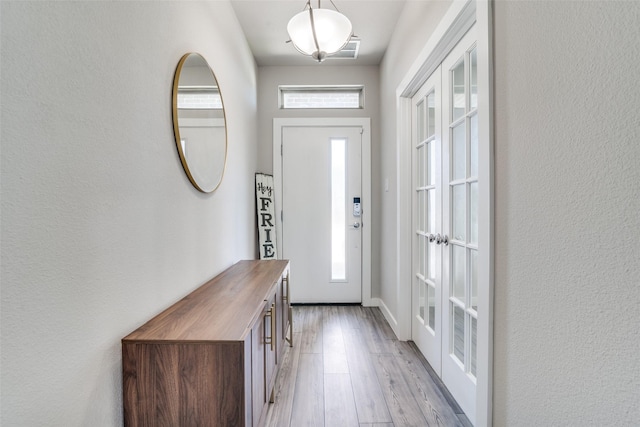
point(350, 51)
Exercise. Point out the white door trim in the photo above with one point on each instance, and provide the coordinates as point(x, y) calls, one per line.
point(456, 21)
point(365, 123)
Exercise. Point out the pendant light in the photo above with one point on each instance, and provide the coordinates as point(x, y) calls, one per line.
point(319, 32)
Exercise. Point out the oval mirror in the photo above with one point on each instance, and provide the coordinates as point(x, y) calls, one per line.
point(199, 122)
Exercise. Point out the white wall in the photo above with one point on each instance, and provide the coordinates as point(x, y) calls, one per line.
point(414, 28)
point(269, 78)
point(101, 228)
point(567, 203)
point(567, 172)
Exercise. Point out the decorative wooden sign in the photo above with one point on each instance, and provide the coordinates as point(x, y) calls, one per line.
point(266, 216)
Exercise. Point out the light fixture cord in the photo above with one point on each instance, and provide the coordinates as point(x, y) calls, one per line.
point(313, 28)
point(334, 5)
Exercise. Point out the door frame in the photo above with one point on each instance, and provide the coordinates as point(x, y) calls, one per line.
point(458, 19)
point(365, 123)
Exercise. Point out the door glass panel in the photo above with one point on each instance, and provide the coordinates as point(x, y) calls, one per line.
point(427, 252)
point(431, 211)
point(473, 213)
point(431, 227)
point(431, 263)
point(421, 166)
point(473, 145)
point(473, 277)
point(420, 113)
point(458, 332)
point(432, 306)
point(459, 212)
point(473, 71)
point(422, 247)
point(422, 202)
point(458, 271)
point(431, 115)
point(474, 345)
point(338, 209)
point(458, 91)
point(421, 302)
point(431, 165)
point(459, 162)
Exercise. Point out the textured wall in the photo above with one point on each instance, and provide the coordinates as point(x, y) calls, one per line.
point(414, 28)
point(567, 171)
point(100, 227)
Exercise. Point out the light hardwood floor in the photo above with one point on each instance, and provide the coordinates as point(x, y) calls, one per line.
point(347, 368)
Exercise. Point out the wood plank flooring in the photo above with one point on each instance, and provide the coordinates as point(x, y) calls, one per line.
point(348, 369)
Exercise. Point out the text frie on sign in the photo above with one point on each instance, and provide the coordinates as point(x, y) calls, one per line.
point(266, 217)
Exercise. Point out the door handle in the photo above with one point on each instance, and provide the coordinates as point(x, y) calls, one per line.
point(442, 239)
point(355, 225)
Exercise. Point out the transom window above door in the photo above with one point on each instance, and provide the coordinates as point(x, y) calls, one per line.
point(321, 97)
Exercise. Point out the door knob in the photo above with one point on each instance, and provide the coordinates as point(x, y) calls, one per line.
point(356, 225)
point(442, 239)
point(431, 237)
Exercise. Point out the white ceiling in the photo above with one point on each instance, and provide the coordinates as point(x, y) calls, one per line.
point(264, 23)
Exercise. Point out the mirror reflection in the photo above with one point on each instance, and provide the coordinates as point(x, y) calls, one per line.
point(199, 122)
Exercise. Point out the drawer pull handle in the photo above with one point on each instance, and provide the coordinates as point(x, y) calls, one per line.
point(285, 288)
point(271, 314)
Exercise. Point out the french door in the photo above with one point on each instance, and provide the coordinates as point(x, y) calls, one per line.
point(426, 327)
point(445, 220)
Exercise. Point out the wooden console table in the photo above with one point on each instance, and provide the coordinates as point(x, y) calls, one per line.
point(211, 359)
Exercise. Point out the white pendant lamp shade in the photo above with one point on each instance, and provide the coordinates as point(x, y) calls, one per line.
point(332, 32)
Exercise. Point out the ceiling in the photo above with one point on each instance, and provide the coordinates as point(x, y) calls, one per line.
point(264, 23)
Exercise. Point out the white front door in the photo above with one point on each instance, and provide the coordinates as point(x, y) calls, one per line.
point(445, 221)
point(321, 224)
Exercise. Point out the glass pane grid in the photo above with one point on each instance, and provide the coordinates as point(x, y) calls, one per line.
point(463, 187)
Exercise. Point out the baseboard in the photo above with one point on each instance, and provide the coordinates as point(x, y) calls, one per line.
point(377, 302)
